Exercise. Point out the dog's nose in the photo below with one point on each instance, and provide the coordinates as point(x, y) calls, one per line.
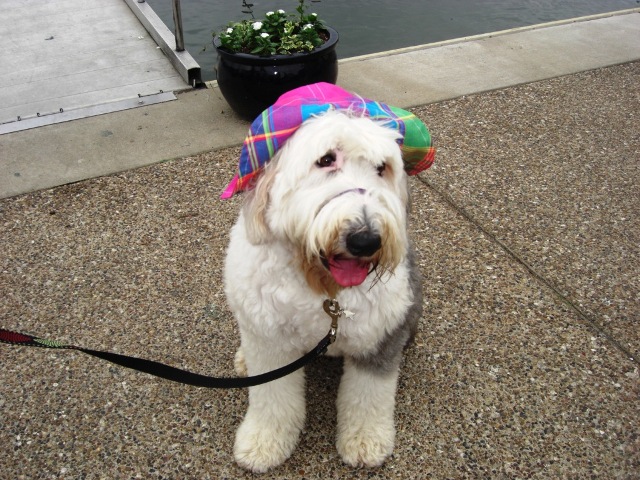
point(363, 244)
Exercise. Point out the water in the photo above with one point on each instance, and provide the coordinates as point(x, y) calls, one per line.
point(378, 25)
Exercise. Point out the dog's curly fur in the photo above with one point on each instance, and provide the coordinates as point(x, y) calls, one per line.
point(334, 197)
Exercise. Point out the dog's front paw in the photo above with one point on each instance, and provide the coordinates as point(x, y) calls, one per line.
point(366, 447)
point(260, 446)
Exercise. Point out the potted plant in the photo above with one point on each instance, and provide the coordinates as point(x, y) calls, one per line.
point(259, 60)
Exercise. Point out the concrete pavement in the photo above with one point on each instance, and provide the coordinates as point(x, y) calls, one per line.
point(526, 361)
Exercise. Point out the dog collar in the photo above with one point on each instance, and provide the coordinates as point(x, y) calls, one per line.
point(271, 129)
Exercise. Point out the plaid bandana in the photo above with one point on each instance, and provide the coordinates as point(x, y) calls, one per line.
point(275, 125)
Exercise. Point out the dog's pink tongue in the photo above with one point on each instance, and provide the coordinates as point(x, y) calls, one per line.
point(348, 272)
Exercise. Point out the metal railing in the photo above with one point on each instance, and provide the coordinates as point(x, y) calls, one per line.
point(177, 23)
point(186, 66)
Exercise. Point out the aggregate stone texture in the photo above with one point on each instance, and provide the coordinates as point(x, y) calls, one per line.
point(520, 369)
point(551, 169)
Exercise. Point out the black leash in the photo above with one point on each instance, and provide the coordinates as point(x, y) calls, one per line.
point(183, 376)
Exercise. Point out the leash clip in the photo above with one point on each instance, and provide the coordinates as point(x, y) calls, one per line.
point(332, 307)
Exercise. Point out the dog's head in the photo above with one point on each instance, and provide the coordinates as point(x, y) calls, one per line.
point(337, 193)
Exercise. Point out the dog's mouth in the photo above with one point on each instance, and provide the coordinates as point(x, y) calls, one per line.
point(346, 271)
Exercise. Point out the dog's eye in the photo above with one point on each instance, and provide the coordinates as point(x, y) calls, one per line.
point(326, 160)
point(381, 169)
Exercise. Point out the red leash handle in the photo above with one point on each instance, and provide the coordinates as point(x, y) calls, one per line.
point(15, 338)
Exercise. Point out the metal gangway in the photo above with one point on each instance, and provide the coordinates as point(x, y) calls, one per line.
point(69, 59)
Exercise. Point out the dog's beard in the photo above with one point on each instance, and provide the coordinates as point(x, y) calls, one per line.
point(319, 277)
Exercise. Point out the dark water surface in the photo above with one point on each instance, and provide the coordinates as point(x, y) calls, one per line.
point(378, 25)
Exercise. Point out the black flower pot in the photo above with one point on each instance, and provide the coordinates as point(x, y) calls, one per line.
point(251, 83)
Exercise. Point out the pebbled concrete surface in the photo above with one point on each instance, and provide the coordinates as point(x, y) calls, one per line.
point(528, 237)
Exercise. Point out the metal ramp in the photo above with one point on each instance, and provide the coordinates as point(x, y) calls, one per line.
point(68, 59)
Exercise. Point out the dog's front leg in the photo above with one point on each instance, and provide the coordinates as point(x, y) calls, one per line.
point(366, 403)
point(276, 414)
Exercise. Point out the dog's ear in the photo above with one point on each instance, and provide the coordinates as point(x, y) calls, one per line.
point(255, 206)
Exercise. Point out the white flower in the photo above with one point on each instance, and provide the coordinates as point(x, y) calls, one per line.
point(264, 35)
point(314, 14)
point(229, 30)
point(268, 14)
point(281, 11)
point(307, 26)
point(257, 25)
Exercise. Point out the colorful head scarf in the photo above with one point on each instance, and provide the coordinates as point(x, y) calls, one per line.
point(275, 125)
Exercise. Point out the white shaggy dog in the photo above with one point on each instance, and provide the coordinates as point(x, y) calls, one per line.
point(327, 219)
